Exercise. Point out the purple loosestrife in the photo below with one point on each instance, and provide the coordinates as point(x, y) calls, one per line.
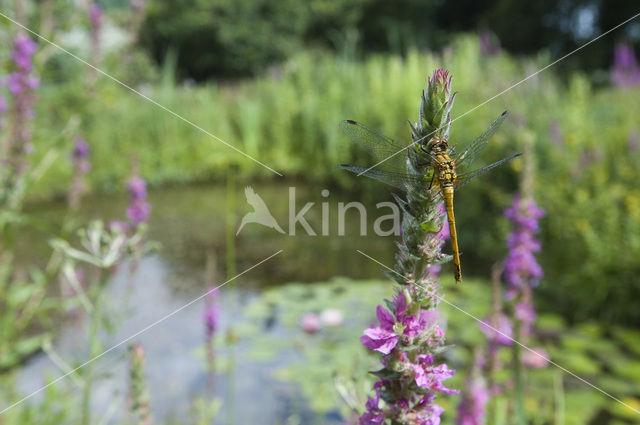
point(81, 166)
point(472, 407)
point(211, 320)
point(625, 71)
point(211, 315)
point(408, 334)
point(489, 45)
point(140, 404)
point(96, 21)
point(521, 267)
point(536, 360)
point(3, 109)
point(95, 17)
point(499, 331)
point(21, 84)
point(522, 272)
point(139, 209)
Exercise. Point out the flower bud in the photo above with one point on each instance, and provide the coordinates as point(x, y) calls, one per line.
point(435, 109)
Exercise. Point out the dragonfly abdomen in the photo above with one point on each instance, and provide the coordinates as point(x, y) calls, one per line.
point(447, 193)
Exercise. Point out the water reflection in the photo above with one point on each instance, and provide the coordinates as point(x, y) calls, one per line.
point(190, 224)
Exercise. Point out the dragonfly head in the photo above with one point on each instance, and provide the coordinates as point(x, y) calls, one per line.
point(437, 145)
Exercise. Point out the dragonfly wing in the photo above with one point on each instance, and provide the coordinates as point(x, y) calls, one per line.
point(399, 180)
point(467, 156)
point(465, 178)
point(393, 154)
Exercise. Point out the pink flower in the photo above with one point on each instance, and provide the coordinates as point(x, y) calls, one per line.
point(373, 415)
point(498, 333)
point(537, 359)
point(211, 314)
point(432, 377)
point(139, 209)
point(525, 313)
point(472, 407)
point(381, 338)
point(137, 188)
point(138, 212)
point(625, 71)
point(310, 323)
point(521, 266)
point(95, 16)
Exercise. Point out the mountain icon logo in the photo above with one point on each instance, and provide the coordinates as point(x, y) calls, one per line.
point(260, 213)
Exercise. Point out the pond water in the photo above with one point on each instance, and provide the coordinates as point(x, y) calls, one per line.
point(190, 225)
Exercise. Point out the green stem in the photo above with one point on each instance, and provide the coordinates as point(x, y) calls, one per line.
point(230, 225)
point(558, 391)
point(93, 340)
point(521, 418)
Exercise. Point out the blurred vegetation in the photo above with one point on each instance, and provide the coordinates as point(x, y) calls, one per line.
point(331, 366)
point(232, 39)
point(588, 161)
point(317, 63)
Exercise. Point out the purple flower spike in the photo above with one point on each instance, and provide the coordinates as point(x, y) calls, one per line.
point(23, 49)
point(489, 45)
point(521, 271)
point(498, 333)
point(139, 209)
point(21, 84)
point(137, 188)
point(95, 16)
point(81, 149)
point(537, 359)
point(81, 166)
point(472, 408)
point(625, 71)
point(407, 333)
point(138, 212)
point(521, 266)
point(525, 313)
point(211, 320)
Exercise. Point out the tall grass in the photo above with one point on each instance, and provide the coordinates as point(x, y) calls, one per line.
point(287, 119)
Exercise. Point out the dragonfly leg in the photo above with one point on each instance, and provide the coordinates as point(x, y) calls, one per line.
point(433, 158)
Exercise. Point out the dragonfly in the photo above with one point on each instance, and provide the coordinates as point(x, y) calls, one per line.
point(439, 167)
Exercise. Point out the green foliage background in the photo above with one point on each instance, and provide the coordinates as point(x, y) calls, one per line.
point(232, 39)
point(586, 176)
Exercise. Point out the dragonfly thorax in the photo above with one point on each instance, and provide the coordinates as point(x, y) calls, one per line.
point(445, 170)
